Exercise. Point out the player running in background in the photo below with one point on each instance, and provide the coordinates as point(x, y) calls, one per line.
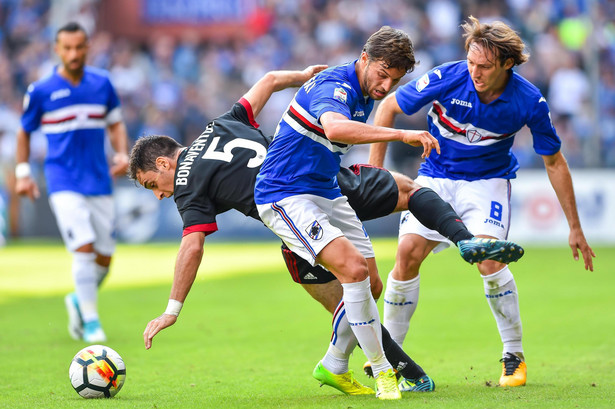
point(231, 149)
point(73, 107)
point(478, 106)
point(296, 190)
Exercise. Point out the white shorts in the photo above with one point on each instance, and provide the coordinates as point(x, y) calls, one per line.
point(307, 223)
point(85, 219)
point(483, 205)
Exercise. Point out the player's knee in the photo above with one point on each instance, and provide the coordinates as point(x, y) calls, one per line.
point(102, 260)
point(489, 267)
point(354, 270)
point(406, 187)
point(409, 258)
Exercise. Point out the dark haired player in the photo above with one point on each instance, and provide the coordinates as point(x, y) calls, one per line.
point(74, 107)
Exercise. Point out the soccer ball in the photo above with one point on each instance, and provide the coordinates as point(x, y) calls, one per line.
point(97, 371)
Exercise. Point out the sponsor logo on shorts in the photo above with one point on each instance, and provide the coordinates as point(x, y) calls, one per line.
point(314, 230)
point(494, 222)
point(309, 276)
point(405, 218)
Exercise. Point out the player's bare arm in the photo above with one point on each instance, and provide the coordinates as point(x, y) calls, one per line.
point(275, 81)
point(25, 184)
point(385, 115)
point(338, 128)
point(186, 266)
point(119, 141)
point(559, 176)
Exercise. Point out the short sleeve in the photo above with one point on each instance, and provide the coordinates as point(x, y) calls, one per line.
point(545, 138)
point(414, 95)
point(32, 109)
point(331, 96)
point(114, 113)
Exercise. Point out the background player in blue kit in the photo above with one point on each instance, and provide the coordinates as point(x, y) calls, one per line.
point(478, 106)
point(73, 107)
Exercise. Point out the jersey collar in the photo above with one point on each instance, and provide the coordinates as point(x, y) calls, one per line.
point(508, 91)
point(57, 74)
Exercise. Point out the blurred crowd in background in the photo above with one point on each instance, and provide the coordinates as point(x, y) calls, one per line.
point(174, 85)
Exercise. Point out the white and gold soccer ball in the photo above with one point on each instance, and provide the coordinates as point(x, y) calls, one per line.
point(97, 371)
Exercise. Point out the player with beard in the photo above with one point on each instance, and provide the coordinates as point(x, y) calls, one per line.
point(73, 107)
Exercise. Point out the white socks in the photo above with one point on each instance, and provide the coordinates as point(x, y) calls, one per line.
point(364, 320)
point(343, 342)
point(86, 284)
point(400, 300)
point(101, 273)
point(501, 293)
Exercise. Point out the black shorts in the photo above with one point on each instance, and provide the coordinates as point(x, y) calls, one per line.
point(372, 192)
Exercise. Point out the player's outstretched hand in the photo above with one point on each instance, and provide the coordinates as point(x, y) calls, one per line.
point(26, 186)
point(155, 326)
point(577, 242)
point(313, 70)
point(424, 139)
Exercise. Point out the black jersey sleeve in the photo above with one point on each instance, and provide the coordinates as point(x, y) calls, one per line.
point(197, 213)
point(196, 208)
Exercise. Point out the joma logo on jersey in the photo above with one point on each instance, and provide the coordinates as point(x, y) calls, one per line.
point(358, 114)
point(314, 230)
point(456, 101)
point(61, 93)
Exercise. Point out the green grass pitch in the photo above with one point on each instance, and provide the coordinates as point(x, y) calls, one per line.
point(248, 337)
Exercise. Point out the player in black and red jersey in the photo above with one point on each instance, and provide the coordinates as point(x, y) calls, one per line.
point(217, 173)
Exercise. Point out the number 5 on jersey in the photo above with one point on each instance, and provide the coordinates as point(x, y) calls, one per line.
point(226, 154)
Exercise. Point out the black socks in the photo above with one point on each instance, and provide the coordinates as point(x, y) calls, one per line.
point(434, 213)
point(398, 359)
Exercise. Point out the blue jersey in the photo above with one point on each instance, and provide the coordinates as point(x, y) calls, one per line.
point(301, 160)
point(476, 138)
point(74, 119)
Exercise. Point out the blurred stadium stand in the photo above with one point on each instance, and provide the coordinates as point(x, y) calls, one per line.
point(177, 64)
